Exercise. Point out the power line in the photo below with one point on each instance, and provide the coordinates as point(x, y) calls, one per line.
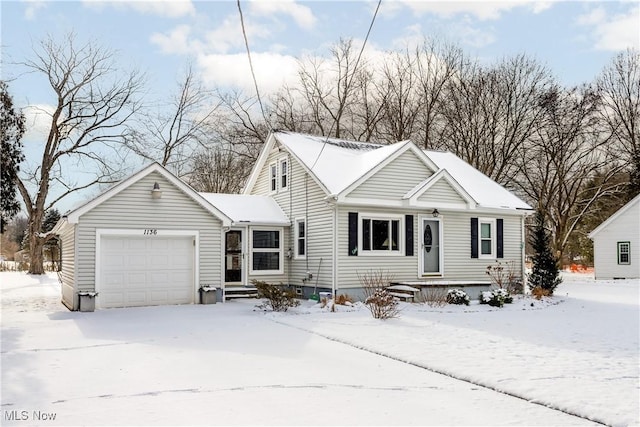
point(355, 68)
point(253, 74)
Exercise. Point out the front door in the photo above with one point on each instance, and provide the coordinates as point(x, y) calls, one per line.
point(431, 246)
point(233, 256)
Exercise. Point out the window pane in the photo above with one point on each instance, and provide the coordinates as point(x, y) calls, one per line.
point(266, 261)
point(301, 247)
point(283, 173)
point(301, 229)
point(380, 234)
point(366, 234)
point(485, 247)
point(266, 239)
point(624, 258)
point(485, 231)
point(395, 225)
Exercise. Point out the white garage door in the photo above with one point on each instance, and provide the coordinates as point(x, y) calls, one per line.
point(137, 271)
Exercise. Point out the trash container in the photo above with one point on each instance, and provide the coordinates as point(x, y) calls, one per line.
point(87, 301)
point(208, 295)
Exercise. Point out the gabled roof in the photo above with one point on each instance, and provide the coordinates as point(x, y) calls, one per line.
point(73, 215)
point(442, 175)
point(613, 217)
point(243, 208)
point(339, 166)
point(486, 192)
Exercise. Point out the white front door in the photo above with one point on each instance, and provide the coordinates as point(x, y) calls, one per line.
point(431, 244)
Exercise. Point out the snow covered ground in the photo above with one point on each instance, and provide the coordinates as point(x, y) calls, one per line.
point(230, 364)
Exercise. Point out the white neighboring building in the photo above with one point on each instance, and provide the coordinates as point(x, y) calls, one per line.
point(616, 244)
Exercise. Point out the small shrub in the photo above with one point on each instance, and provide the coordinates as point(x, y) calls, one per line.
point(503, 276)
point(382, 305)
point(496, 297)
point(539, 292)
point(277, 298)
point(344, 299)
point(457, 296)
point(433, 296)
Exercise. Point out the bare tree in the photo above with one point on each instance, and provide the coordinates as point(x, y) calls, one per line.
point(619, 88)
point(92, 105)
point(437, 64)
point(218, 169)
point(567, 152)
point(171, 134)
point(492, 112)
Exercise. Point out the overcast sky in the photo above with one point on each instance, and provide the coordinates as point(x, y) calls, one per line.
point(576, 39)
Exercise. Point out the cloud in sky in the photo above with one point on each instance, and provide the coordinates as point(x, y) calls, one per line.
point(168, 8)
point(302, 15)
point(615, 32)
point(272, 70)
point(33, 6)
point(38, 121)
point(480, 9)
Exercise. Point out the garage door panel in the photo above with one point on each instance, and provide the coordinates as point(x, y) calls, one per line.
point(139, 271)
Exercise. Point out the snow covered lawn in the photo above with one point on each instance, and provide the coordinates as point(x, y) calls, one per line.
point(229, 364)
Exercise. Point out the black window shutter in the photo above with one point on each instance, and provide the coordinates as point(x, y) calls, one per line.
point(499, 236)
point(353, 233)
point(474, 237)
point(408, 227)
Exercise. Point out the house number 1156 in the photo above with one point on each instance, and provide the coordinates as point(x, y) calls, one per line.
point(150, 231)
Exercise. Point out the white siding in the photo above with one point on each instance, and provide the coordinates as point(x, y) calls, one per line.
point(394, 180)
point(68, 256)
point(441, 192)
point(401, 267)
point(457, 261)
point(303, 198)
point(133, 208)
point(624, 228)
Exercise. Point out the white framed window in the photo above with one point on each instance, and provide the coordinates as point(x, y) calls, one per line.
point(273, 174)
point(266, 251)
point(380, 234)
point(486, 238)
point(284, 174)
point(301, 238)
point(624, 253)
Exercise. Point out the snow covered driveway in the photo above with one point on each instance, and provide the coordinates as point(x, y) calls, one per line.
point(228, 364)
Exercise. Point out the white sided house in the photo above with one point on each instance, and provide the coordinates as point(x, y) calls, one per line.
point(316, 213)
point(616, 244)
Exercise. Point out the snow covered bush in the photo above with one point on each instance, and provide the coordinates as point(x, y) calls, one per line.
point(378, 300)
point(504, 276)
point(496, 297)
point(277, 298)
point(382, 305)
point(457, 296)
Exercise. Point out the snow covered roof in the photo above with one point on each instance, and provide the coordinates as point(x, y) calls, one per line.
point(338, 164)
point(485, 191)
point(243, 208)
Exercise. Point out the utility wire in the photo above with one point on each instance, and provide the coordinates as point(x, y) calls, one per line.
point(355, 68)
point(253, 74)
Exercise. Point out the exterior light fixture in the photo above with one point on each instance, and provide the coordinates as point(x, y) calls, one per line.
point(435, 213)
point(156, 193)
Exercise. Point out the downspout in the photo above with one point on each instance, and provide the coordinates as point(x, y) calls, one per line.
point(523, 246)
point(334, 272)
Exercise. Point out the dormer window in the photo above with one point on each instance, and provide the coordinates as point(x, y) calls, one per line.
point(284, 174)
point(273, 170)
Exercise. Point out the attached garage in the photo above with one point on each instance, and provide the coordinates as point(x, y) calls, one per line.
point(149, 240)
point(138, 271)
